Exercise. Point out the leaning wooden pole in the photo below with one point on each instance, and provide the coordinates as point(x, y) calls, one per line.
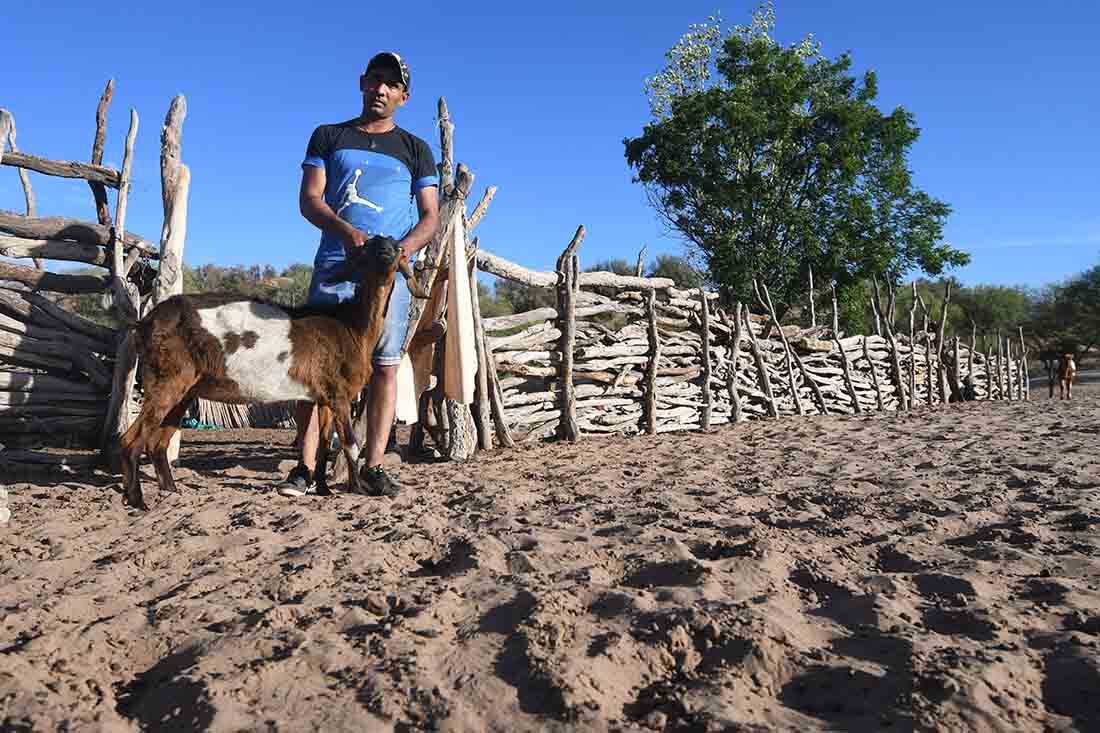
point(735, 357)
point(813, 307)
point(788, 361)
point(815, 390)
point(704, 418)
point(874, 376)
point(496, 397)
point(852, 395)
point(761, 367)
point(654, 354)
point(568, 291)
point(482, 409)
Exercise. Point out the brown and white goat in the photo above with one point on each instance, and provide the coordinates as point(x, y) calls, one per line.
point(1067, 370)
point(229, 349)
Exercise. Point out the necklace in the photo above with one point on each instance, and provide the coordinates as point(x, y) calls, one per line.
point(370, 135)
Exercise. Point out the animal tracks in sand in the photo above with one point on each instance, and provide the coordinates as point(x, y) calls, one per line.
point(888, 571)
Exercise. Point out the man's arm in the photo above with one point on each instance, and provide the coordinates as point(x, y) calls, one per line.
point(311, 202)
point(427, 204)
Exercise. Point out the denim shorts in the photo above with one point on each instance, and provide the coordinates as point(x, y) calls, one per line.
point(388, 351)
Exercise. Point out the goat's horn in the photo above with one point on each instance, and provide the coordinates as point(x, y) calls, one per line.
point(410, 279)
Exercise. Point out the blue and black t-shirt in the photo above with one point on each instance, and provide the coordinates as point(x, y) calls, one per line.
point(371, 179)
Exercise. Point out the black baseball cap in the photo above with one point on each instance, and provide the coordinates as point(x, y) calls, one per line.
point(393, 61)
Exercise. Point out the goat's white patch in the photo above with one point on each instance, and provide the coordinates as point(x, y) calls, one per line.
point(351, 196)
point(257, 335)
point(353, 450)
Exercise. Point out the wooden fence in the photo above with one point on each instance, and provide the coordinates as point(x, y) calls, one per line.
point(64, 378)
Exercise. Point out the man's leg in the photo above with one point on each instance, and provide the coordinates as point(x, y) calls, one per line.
point(305, 414)
point(381, 406)
point(300, 480)
point(382, 395)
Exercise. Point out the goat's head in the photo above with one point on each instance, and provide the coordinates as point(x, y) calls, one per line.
point(379, 254)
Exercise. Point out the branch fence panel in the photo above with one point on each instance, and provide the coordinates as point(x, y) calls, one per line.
point(619, 386)
point(58, 369)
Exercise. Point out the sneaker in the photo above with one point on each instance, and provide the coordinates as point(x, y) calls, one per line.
point(378, 482)
point(298, 483)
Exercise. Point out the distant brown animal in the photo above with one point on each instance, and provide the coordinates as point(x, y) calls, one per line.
point(226, 348)
point(1067, 370)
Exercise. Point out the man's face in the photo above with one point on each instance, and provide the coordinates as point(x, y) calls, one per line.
point(383, 91)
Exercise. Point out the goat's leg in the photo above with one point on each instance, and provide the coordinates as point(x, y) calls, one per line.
point(133, 443)
point(350, 446)
point(158, 446)
point(324, 432)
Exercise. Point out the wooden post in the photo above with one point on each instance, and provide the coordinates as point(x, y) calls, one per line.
point(704, 418)
point(482, 418)
point(568, 290)
point(1000, 367)
point(126, 302)
point(8, 136)
point(125, 295)
point(481, 208)
point(927, 362)
point(735, 356)
point(99, 191)
point(792, 385)
point(973, 345)
point(874, 376)
point(836, 317)
point(447, 157)
point(1024, 367)
point(761, 367)
point(989, 376)
point(813, 307)
point(639, 266)
point(175, 182)
point(913, 344)
point(956, 366)
point(941, 370)
point(654, 354)
point(895, 363)
point(844, 359)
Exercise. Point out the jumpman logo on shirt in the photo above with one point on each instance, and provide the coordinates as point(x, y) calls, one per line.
point(351, 196)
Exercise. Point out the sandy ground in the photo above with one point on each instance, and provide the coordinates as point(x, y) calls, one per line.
point(935, 570)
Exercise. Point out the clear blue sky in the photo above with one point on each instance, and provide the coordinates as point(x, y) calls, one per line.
point(542, 95)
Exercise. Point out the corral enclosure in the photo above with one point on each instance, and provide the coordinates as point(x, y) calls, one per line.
point(617, 354)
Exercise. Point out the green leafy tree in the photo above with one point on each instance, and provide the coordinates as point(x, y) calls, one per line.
point(492, 304)
point(523, 297)
point(772, 159)
point(678, 269)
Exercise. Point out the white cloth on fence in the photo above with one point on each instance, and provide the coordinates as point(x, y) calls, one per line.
point(460, 355)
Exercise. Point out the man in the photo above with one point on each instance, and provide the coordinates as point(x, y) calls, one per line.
point(359, 181)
